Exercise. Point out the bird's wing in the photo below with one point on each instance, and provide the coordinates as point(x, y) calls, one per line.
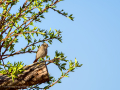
point(37, 51)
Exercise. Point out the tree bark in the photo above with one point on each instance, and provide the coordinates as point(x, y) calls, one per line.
point(36, 73)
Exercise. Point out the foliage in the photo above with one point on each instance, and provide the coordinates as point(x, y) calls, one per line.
point(12, 69)
point(11, 31)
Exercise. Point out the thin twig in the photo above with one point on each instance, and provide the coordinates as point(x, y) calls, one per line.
point(30, 19)
point(29, 46)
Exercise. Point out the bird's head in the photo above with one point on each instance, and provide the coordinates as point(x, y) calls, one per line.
point(45, 45)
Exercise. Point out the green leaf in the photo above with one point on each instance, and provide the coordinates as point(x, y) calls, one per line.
point(32, 35)
point(59, 81)
point(31, 23)
point(13, 78)
point(1, 37)
point(16, 24)
point(66, 76)
point(40, 9)
point(50, 30)
point(24, 18)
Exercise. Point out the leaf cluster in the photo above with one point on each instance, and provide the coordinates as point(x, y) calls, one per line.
point(12, 70)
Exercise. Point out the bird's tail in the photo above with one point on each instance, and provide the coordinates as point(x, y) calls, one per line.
point(35, 60)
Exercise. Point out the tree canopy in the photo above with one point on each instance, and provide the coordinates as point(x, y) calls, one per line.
point(11, 31)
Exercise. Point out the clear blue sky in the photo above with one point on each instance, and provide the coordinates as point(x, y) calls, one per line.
point(93, 38)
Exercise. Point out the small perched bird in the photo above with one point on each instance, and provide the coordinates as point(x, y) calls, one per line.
point(42, 52)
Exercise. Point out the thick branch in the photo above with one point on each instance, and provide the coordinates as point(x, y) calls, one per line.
point(36, 73)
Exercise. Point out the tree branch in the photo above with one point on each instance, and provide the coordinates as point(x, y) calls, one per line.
point(33, 74)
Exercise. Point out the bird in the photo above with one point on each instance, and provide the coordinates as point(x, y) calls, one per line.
point(41, 52)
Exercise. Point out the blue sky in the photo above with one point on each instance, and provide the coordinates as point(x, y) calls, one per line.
point(93, 38)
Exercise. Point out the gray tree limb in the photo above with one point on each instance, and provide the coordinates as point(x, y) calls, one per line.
point(36, 73)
